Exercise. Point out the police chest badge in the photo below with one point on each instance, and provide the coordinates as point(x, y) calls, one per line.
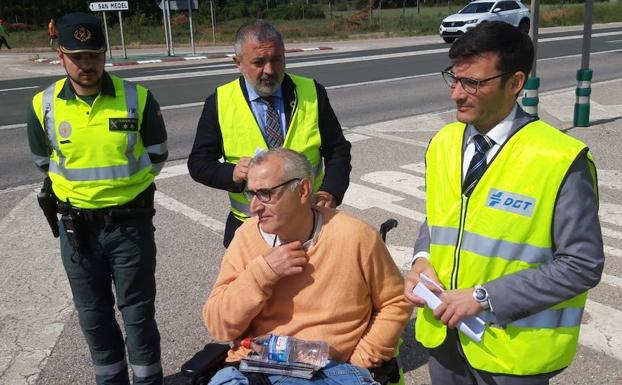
point(123, 124)
point(64, 129)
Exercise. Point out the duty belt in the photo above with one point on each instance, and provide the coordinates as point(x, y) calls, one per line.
point(141, 206)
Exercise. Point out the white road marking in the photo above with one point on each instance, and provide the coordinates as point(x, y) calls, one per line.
point(367, 130)
point(610, 179)
point(381, 81)
point(312, 63)
point(364, 198)
point(418, 168)
point(185, 105)
point(611, 280)
point(602, 331)
point(172, 204)
point(412, 185)
point(612, 252)
point(173, 171)
point(610, 213)
point(577, 37)
point(19, 88)
point(12, 126)
point(611, 233)
point(354, 137)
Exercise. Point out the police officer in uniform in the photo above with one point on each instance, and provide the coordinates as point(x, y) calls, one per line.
point(266, 108)
point(101, 141)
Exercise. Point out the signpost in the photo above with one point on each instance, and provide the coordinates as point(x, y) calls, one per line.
point(177, 5)
point(111, 6)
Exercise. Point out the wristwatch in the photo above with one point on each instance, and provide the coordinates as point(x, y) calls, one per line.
point(480, 295)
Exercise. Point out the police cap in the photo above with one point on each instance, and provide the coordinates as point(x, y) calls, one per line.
point(80, 32)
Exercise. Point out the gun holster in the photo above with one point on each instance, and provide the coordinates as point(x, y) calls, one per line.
point(49, 205)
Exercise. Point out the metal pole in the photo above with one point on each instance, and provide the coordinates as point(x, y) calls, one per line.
point(530, 91)
point(170, 29)
point(211, 7)
point(191, 31)
point(122, 38)
point(106, 31)
point(168, 46)
point(584, 75)
point(533, 32)
point(587, 34)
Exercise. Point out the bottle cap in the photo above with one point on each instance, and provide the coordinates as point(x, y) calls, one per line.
point(246, 342)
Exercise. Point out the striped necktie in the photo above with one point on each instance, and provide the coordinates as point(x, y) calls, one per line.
point(478, 163)
point(274, 135)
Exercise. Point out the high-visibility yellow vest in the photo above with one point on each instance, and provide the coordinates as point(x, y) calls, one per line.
point(242, 137)
point(98, 158)
point(504, 227)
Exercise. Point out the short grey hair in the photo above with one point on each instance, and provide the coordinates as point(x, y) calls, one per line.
point(259, 30)
point(295, 164)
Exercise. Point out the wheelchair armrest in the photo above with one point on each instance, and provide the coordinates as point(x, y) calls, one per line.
point(389, 372)
point(205, 362)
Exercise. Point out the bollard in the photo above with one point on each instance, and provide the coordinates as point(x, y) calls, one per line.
point(582, 106)
point(530, 96)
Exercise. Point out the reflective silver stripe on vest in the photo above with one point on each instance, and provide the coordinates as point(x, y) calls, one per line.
point(109, 370)
point(241, 207)
point(100, 173)
point(489, 247)
point(157, 149)
point(549, 319)
point(146, 370)
point(510, 251)
point(131, 106)
point(49, 120)
point(41, 160)
point(446, 236)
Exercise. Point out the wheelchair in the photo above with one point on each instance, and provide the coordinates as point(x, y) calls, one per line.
point(205, 363)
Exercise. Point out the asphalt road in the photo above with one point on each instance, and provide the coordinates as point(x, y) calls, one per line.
point(400, 72)
point(390, 107)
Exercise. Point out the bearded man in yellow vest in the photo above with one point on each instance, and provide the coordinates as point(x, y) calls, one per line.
point(267, 108)
point(512, 232)
point(101, 141)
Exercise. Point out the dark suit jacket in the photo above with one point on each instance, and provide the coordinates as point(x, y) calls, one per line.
point(578, 257)
point(205, 167)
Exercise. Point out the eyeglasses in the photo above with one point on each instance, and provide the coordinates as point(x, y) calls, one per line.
point(265, 194)
point(471, 86)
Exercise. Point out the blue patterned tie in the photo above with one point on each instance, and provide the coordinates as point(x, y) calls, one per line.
point(274, 135)
point(478, 163)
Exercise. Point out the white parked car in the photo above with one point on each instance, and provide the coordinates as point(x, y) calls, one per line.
point(480, 11)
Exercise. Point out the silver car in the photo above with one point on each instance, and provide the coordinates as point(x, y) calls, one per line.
point(481, 11)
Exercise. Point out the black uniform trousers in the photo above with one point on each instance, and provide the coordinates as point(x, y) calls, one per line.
point(124, 253)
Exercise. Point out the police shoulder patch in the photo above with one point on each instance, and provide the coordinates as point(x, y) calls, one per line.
point(511, 202)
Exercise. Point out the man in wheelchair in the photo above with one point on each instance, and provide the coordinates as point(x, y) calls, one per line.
point(310, 272)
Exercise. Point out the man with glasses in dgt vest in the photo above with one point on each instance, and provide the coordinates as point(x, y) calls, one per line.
point(512, 231)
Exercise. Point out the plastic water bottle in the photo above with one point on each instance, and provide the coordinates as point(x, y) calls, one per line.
point(289, 349)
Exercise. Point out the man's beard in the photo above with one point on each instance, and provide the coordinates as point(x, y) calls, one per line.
point(267, 86)
point(85, 84)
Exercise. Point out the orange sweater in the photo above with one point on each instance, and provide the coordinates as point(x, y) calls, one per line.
point(350, 294)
